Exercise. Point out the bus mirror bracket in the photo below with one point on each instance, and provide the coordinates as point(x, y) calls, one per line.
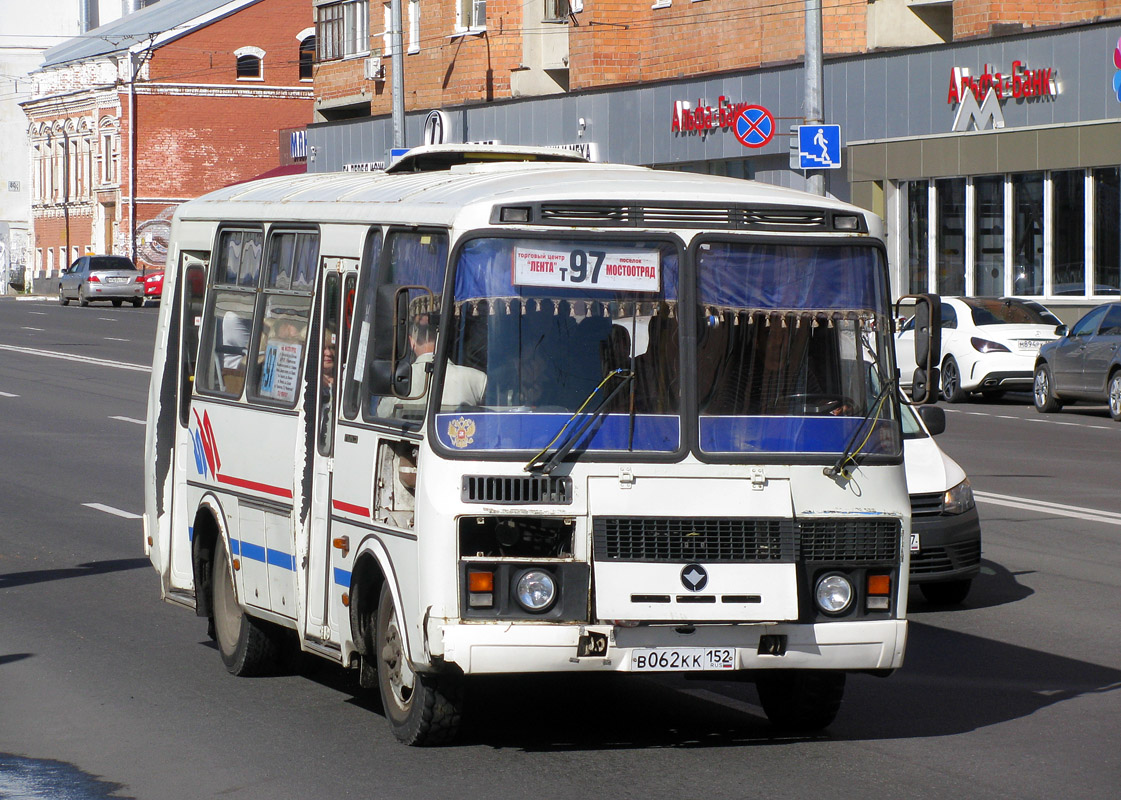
point(928, 346)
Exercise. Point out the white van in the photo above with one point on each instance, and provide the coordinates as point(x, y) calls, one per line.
point(943, 513)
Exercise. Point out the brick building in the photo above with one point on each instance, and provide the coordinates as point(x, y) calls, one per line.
point(987, 133)
point(158, 107)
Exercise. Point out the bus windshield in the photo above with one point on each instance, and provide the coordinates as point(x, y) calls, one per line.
point(549, 321)
point(792, 348)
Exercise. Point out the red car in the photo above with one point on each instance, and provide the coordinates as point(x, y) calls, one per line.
point(153, 285)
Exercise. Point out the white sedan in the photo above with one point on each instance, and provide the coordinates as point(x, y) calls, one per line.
point(989, 345)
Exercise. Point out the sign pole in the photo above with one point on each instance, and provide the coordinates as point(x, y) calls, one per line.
point(814, 78)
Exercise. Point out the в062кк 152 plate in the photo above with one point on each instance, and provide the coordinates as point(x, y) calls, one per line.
point(683, 659)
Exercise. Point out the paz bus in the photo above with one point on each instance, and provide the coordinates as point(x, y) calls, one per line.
point(499, 410)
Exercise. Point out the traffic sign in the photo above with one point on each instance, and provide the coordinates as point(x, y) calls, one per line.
point(754, 126)
point(819, 147)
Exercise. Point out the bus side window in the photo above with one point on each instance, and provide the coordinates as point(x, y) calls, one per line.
point(224, 349)
point(328, 363)
point(360, 317)
point(193, 287)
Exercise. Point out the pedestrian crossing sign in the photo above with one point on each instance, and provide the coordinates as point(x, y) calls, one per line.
point(819, 147)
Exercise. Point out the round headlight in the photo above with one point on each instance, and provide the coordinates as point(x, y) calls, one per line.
point(833, 594)
point(535, 590)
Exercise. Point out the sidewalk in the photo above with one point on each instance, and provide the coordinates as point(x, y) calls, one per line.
point(44, 289)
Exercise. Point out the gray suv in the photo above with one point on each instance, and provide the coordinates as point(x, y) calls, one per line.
point(112, 278)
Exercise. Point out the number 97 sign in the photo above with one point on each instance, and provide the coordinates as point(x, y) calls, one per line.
point(629, 270)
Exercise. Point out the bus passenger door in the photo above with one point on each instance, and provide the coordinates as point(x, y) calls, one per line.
point(337, 298)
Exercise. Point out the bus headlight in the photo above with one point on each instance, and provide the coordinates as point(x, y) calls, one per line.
point(535, 590)
point(833, 593)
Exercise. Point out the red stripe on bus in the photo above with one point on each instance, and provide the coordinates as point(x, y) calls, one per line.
point(279, 491)
point(350, 508)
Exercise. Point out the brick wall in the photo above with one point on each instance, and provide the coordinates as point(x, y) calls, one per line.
point(977, 18)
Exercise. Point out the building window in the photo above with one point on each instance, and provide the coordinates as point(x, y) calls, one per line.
point(988, 235)
point(471, 15)
point(414, 26)
point(557, 10)
point(307, 58)
point(411, 25)
point(1107, 230)
point(918, 241)
point(108, 158)
point(1027, 233)
point(249, 63)
point(342, 29)
point(1068, 232)
point(950, 241)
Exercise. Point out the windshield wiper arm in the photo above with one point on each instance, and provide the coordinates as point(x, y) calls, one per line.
point(841, 469)
point(547, 461)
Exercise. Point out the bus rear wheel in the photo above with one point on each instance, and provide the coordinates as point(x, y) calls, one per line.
point(800, 701)
point(422, 709)
point(246, 645)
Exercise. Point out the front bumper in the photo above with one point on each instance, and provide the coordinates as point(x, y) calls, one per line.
point(481, 649)
point(950, 547)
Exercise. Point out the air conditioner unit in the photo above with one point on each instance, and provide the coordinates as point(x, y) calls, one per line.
point(373, 69)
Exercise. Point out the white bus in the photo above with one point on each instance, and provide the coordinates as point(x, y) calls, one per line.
point(531, 415)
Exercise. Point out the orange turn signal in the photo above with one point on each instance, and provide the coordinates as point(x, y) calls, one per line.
point(879, 584)
point(480, 581)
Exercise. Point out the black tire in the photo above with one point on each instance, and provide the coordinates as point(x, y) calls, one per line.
point(247, 646)
point(800, 701)
point(422, 709)
point(1114, 394)
point(116, 303)
point(1043, 391)
point(951, 382)
point(137, 302)
point(62, 300)
point(83, 301)
point(946, 593)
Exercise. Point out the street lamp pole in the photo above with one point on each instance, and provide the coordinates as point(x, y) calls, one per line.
point(398, 66)
point(814, 79)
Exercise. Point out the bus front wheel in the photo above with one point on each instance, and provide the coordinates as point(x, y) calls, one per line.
point(421, 709)
point(246, 645)
point(801, 701)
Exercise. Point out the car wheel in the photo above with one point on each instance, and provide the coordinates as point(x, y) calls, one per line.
point(421, 709)
point(1115, 396)
point(1043, 391)
point(62, 301)
point(137, 302)
point(82, 299)
point(946, 593)
point(951, 382)
point(116, 303)
point(247, 646)
point(800, 701)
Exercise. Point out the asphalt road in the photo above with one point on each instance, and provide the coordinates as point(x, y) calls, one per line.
point(107, 692)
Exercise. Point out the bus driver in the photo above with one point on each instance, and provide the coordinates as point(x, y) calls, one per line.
point(463, 386)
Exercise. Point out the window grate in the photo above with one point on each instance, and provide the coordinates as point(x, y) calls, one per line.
point(517, 489)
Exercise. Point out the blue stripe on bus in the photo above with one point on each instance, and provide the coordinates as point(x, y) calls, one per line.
point(235, 547)
point(532, 431)
point(824, 434)
point(190, 533)
point(342, 577)
point(276, 558)
point(253, 551)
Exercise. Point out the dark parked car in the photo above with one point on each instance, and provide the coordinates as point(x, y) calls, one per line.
point(1083, 364)
point(112, 278)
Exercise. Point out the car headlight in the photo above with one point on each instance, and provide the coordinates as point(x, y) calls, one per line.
point(833, 593)
point(959, 499)
point(986, 346)
point(535, 590)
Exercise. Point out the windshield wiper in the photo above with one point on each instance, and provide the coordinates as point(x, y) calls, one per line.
point(843, 467)
point(547, 461)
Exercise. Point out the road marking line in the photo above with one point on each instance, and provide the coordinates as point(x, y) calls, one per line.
point(1043, 507)
point(130, 419)
point(108, 319)
point(8, 394)
point(29, 328)
point(82, 359)
point(1035, 419)
point(115, 339)
point(110, 510)
point(39, 313)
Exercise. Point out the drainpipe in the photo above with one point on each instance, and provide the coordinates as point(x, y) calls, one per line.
point(132, 68)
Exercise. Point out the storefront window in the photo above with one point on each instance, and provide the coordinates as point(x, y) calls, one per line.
point(951, 235)
point(1027, 233)
point(1068, 232)
point(918, 245)
point(1107, 230)
point(988, 235)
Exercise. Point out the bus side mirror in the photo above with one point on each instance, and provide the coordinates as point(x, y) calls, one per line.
point(390, 371)
point(928, 347)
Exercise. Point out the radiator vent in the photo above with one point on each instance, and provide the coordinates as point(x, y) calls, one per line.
point(517, 489)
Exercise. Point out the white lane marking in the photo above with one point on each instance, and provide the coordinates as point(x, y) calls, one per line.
point(38, 313)
point(115, 339)
point(1042, 507)
point(110, 510)
point(108, 319)
point(8, 394)
point(29, 328)
point(130, 419)
point(1035, 419)
point(101, 362)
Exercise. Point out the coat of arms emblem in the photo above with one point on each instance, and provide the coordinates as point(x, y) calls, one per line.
point(462, 431)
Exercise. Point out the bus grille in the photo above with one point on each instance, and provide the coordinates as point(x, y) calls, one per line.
point(517, 489)
point(710, 540)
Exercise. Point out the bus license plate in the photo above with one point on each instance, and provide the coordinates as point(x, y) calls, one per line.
point(683, 659)
point(916, 544)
